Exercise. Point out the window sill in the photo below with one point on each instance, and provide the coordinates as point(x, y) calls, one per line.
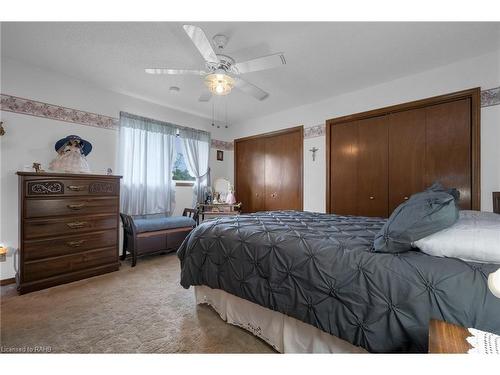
point(184, 183)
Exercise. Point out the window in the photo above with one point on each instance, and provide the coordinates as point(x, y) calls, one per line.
point(180, 172)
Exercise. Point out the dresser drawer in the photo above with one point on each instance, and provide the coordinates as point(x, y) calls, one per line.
point(40, 249)
point(70, 206)
point(41, 269)
point(37, 228)
point(70, 187)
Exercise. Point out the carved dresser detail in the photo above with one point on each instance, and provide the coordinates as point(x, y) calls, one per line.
point(68, 228)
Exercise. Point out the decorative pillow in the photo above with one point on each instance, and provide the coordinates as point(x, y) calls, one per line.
point(423, 214)
point(475, 237)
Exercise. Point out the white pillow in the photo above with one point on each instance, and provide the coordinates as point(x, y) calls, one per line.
point(475, 237)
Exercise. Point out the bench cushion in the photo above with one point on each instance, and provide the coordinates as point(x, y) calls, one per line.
point(151, 223)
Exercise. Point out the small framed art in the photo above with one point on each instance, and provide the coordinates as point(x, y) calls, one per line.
point(220, 155)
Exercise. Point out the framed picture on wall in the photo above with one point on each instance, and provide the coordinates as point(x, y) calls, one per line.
point(220, 155)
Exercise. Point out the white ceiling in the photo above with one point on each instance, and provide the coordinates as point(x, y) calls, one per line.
point(323, 59)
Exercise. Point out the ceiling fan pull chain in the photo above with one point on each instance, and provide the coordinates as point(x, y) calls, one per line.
point(213, 113)
point(226, 111)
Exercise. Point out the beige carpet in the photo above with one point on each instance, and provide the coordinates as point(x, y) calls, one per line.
point(134, 310)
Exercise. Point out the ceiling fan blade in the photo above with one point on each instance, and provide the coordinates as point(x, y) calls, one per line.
point(250, 89)
point(260, 63)
point(201, 42)
point(174, 71)
point(205, 96)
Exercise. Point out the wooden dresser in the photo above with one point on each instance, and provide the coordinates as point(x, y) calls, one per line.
point(68, 228)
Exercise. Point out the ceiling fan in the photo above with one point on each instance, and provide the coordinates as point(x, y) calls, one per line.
point(222, 71)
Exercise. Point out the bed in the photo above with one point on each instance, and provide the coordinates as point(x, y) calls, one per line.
point(319, 269)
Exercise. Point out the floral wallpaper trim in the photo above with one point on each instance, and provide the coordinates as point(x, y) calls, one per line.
point(15, 104)
point(222, 145)
point(35, 108)
point(490, 97)
point(314, 131)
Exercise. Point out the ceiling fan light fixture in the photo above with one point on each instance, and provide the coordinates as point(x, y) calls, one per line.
point(219, 83)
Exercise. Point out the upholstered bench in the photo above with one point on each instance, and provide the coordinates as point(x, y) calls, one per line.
point(150, 234)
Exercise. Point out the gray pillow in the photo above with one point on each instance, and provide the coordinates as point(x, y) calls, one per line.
point(423, 214)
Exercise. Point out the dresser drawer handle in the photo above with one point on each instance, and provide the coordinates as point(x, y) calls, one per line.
point(372, 198)
point(406, 198)
point(75, 243)
point(75, 187)
point(77, 224)
point(76, 206)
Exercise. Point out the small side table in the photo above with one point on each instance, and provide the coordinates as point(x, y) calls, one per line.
point(447, 338)
point(217, 210)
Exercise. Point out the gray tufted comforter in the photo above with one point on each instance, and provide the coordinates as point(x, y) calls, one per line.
point(319, 268)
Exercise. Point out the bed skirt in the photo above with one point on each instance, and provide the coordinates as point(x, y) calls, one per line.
point(283, 333)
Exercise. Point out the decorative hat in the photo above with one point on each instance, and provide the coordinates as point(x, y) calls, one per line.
point(86, 145)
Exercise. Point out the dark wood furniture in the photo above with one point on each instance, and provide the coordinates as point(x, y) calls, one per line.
point(217, 210)
point(447, 338)
point(496, 202)
point(68, 228)
point(154, 242)
point(377, 159)
point(191, 212)
point(269, 170)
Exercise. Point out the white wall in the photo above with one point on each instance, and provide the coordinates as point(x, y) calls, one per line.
point(482, 71)
point(30, 139)
point(222, 169)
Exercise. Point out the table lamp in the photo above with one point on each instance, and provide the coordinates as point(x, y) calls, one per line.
point(494, 283)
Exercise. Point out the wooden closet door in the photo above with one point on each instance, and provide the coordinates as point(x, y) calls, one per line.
point(343, 168)
point(406, 155)
point(372, 186)
point(448, 147)
point(283, 171)
point(250, 183)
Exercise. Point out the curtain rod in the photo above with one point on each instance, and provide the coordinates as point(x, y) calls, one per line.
point(165, 123)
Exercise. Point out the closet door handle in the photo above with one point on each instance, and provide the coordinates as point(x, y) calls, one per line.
point(372, 198)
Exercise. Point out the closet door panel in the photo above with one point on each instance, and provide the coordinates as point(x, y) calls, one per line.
point(283, 171)
point(343, 168)
point(448, 147)
point(250, 183)
point(372, 186)
point(406, 155)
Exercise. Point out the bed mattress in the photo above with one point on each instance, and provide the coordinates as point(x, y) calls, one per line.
point(320, 269)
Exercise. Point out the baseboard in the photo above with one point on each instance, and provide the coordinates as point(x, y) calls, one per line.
point(3, 282)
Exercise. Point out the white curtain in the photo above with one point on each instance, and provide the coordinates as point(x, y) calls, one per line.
point(146, 157)
point(196, 154)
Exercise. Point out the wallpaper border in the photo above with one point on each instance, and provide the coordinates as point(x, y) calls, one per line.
point(15, 104)
point(490, 97)
point(35, 108)
point(222, 145)
point(314, 131)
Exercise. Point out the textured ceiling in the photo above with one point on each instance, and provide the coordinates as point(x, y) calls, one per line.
point(323, 59)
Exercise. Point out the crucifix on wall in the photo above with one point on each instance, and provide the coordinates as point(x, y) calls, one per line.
point(314, 150)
